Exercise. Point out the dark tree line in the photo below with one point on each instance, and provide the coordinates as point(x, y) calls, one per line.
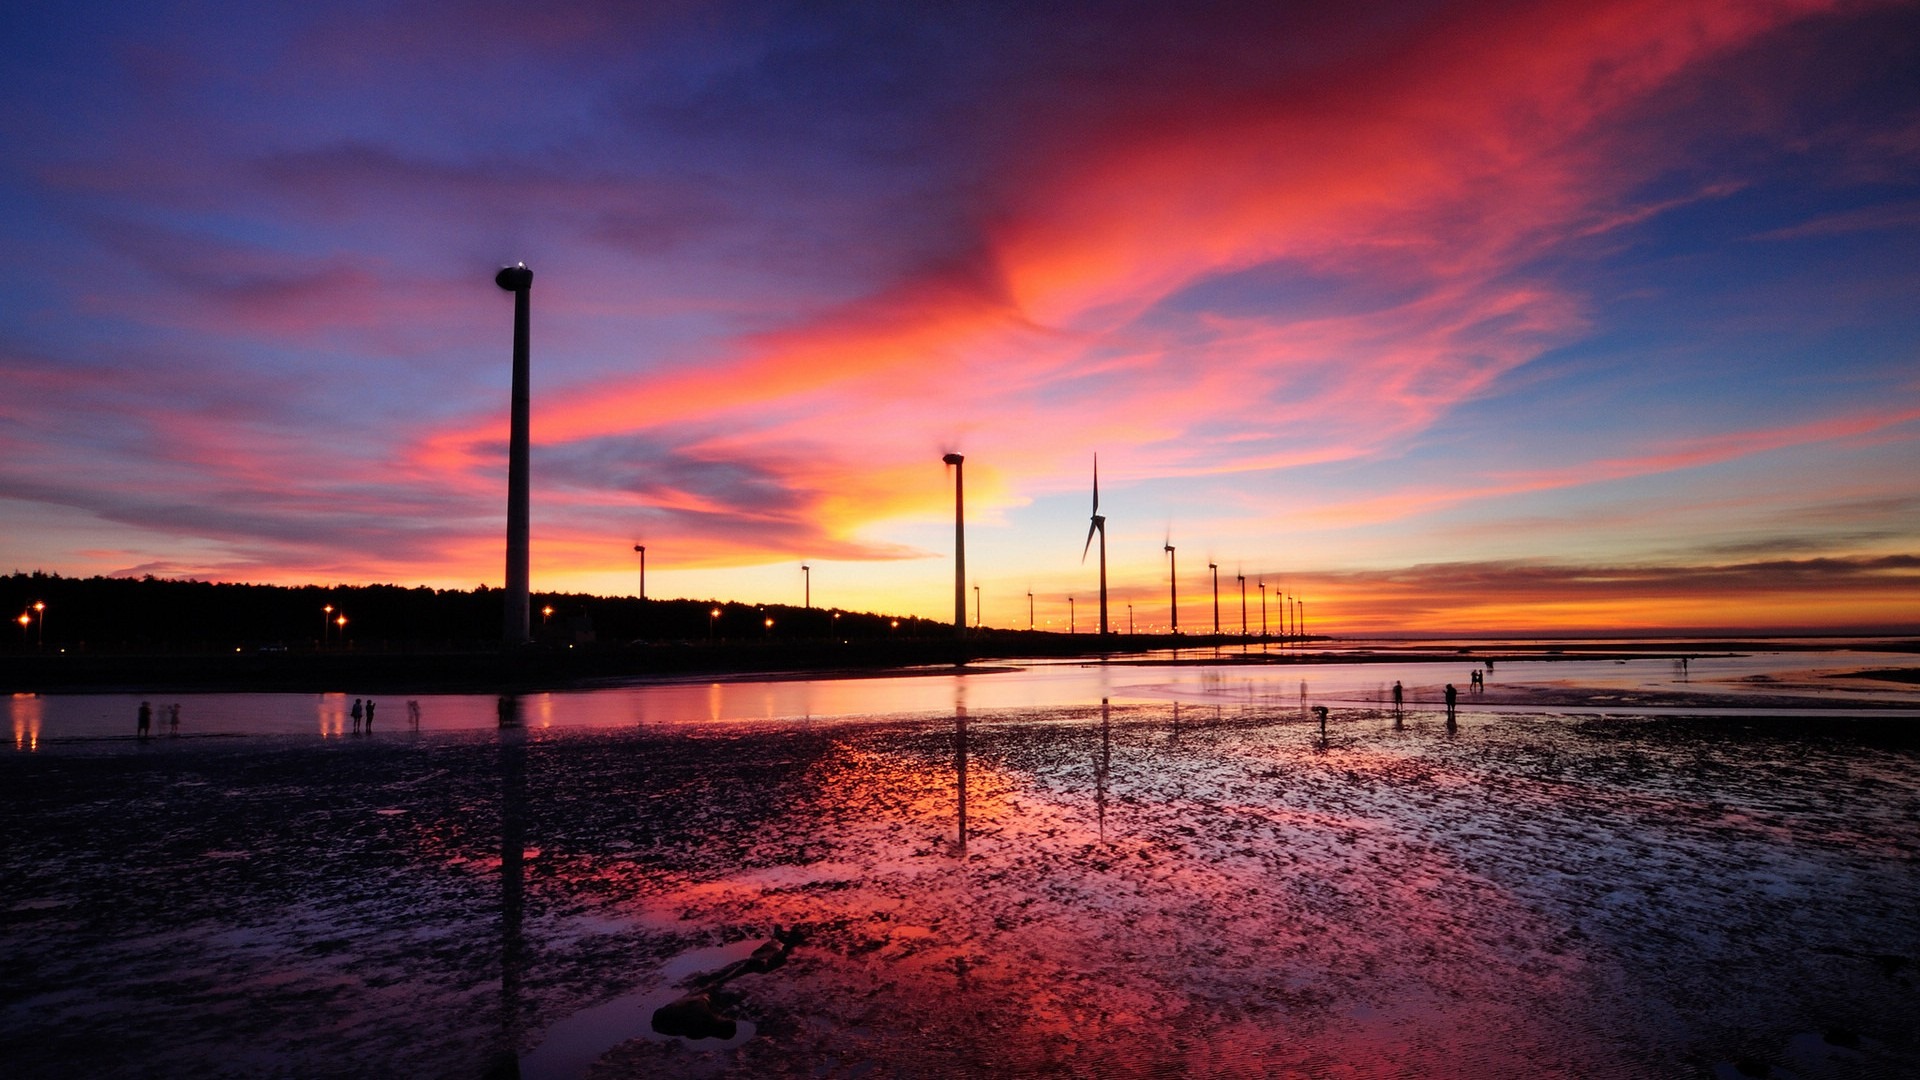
point(118, 614)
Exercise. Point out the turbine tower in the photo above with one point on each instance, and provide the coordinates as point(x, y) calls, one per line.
point(517, 628)
point(1215, 568)
point(959, 547)
point(1099, 525)
point(1173, 584)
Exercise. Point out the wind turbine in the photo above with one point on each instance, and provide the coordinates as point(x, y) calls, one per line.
point(959, 548)
point(1215, 567)
point(1243, 603)
point(1173, 583)
point(1098, 525)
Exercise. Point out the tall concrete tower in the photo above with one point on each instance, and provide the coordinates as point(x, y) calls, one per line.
point(959, 546)
point(518, 280)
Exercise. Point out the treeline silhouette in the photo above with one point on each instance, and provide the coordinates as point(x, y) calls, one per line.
point(120, 614)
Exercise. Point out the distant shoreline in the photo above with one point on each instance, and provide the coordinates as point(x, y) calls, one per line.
point(541, 668)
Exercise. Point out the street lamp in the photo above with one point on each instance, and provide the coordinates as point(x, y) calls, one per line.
point(769, 626)
point(340, 623)
point(1263, 611)
point(1129, 620)
point(806, 576)
point(892, 627)
point(1243, 604)
point(26, 631)
point(976, 608)
point(1072, 627)
point(642, 549)
point(1029, 610)
point(40, 614)
point(326, 616)
point(711, 616)
point(545, 614)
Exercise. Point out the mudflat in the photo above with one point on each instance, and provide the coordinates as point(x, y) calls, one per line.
point(1148, 890)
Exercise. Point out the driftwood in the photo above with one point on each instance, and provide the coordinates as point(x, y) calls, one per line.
point(697, 1013)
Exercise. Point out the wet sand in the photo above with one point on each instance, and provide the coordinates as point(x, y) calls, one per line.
point(1156, 890)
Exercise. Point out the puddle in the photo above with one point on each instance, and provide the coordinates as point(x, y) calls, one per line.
point(572, 1045)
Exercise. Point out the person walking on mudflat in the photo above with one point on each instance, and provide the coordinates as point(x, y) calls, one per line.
point(145, 719)
point(369, 716)
point(359, 710)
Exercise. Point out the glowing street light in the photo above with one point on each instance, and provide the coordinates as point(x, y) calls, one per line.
point(769, 626)
point(340, 623)
point(711, 616)
point(326, 616)
point(545, 614)
point(40, 613)
point(26, 622)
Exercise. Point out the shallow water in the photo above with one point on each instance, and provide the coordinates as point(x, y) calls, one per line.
point(1195, 883)
point(1752, 677)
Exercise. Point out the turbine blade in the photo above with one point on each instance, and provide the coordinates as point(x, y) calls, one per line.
point(1096, 483)
point(1089, 547)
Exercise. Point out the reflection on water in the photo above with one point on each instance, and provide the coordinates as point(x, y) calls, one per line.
point(27, 712)
point(960, 765)
point(1145, 890)
point(513, 851)
point(1756, 676)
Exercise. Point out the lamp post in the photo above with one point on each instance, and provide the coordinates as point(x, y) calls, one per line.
point(769, 626)
point(545, 614)
point(642, 549)
point(1243, 604)
point(1072, 627)
point(976, 609)
point(1129, 620)
point(1300, 625)
point(40, 623)
point(806, 580)
point(711, 617)
point(326, 617)
point(340, 627)
point(1215, 568)
point(1029, 610)
point(26, 628)
point(1263, 610)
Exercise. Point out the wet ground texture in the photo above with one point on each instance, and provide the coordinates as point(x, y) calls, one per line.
point(1140, 892)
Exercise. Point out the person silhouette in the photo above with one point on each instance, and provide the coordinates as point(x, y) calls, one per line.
point(1452, 696)
point(1399, 695)
point(413, 712)
point(358, 711)
point(173, 718)
point(369, 716)
point(145, 721)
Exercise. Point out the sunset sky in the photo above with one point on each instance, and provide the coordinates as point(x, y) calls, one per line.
point(1446, 316)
